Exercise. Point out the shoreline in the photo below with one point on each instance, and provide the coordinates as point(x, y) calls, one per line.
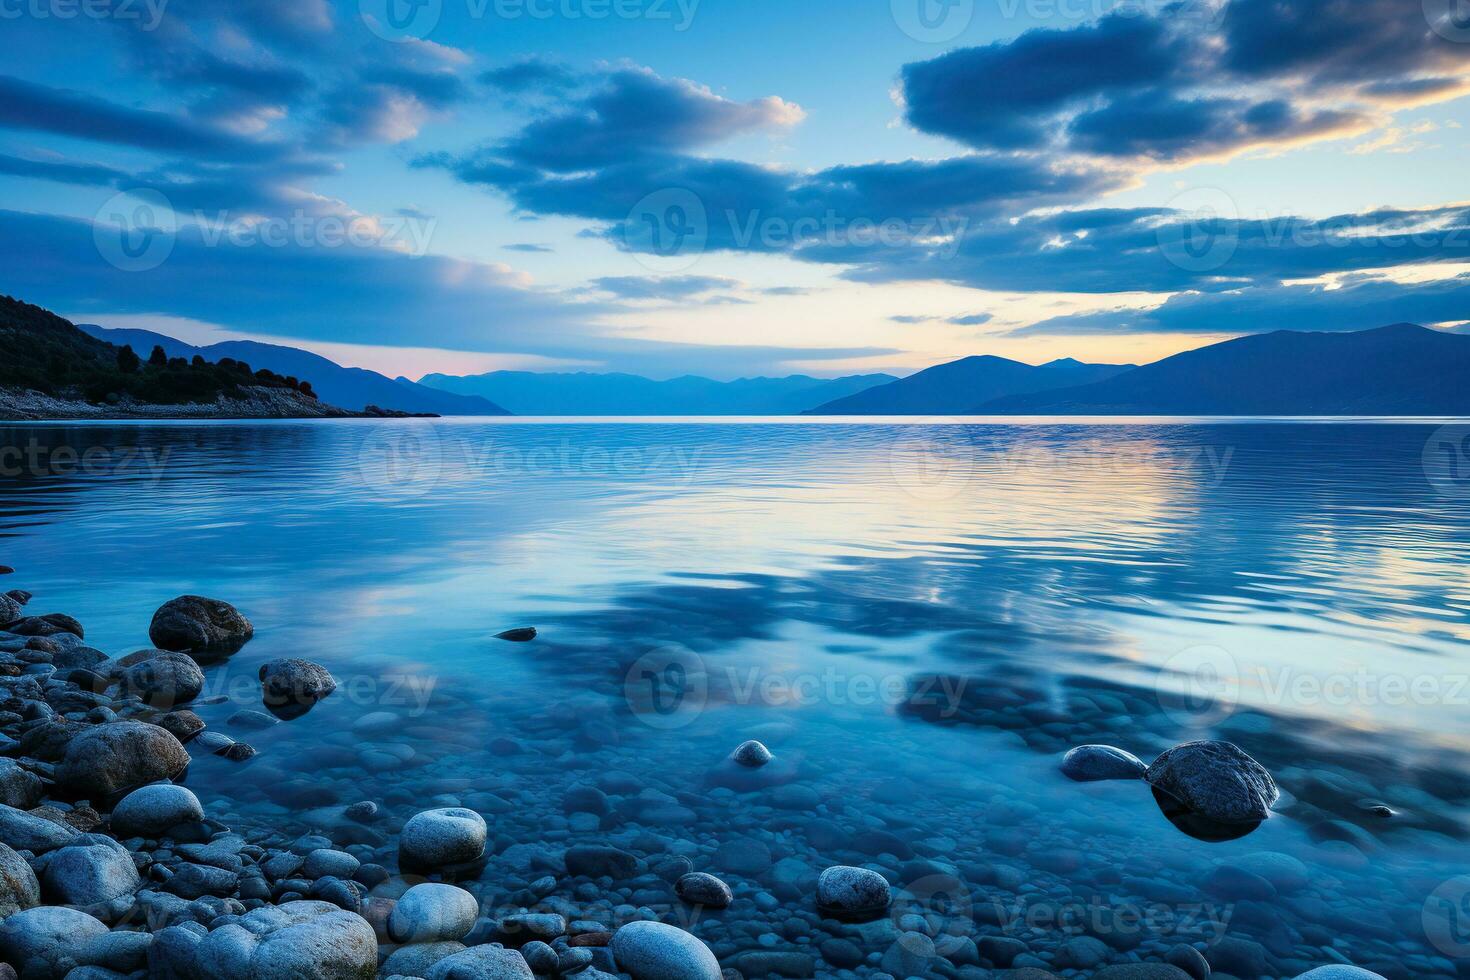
point(263, 403)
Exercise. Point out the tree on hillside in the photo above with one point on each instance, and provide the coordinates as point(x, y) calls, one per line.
point(127, 360)
point(159, 357)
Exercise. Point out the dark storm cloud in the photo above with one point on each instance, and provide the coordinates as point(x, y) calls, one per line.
point(531, 75)
point(1169, 88)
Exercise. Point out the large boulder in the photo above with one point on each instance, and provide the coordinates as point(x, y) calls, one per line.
point(19, 888)
point(293, 681)
point(193, 622)
point(39, 942)
point(1216, 780)
point(308, 940)
point(483, 963)
point(164, 681)
point(655, 951)
point(440, 838)
point(119, 756)
point(433, 913)
point(151, 810)
point(10, 610)
point(19, 787)
point(28, 832)
point(1340, 972)
point(90, 870)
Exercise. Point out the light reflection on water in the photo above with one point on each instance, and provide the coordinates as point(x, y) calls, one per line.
point(1067, 564)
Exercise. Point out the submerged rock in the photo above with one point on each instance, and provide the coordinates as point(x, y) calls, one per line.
point(523, 634)
point(438, 838)
point(852, 893)
point(105, 760)
point(293, 681)
point(1216, 780)
point(192, 622)
point(1092, 763)
point(698, 888)
point(655, 951)
point(752, 754)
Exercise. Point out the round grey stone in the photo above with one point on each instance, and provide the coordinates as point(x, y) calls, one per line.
point(655, 951)
point(482, 963)
point(698, 888)
point(433, 913)
point(90, 871)
point(45, 935)
point(105, 760)
point(193, 622)
point(436, 838)
point(848, 891)
point(150, 810)
point(1091, 763)
point(752, 754)
point(1216, 780)
point(19, 888)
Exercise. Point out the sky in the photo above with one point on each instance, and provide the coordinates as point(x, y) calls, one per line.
point(735, 187)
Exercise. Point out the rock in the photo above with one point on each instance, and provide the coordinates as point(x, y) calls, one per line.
point(193, 622)
point(416, 959)
point(482, 963)
point(164, 681)
point(1082, 953)
point(19, 888)
point(1190, 960)
point(846, 892)
point(116, 951)
point(182, 724)
point(193, 881)
point(752, 754)
point(119, 756)
point(10, 610)
point(597, 861)
point(910, 956)
point(655, 951)
point(1091, 763)
point(437, 838)
point(433, 913)
point(26, 832)
point(517, 930)
point(293, 681)
point(1339, 972)
point(1141, 971)
point(298, 939)
point(19, 787)
point(151, 810)
point(521, 634)
point(698, 888)
point(39, 938)
point(1216, 780)
point(324, 861)
point(91, 870)
point(250, 718)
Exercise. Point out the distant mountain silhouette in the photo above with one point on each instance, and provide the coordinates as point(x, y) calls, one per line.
point(352, 388)
point(957, 387)
point(1398, 370)
point(528, 393)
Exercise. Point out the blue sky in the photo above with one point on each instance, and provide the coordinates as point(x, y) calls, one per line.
point(735, 187)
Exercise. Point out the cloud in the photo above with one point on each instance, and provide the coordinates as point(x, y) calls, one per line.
point(531, 75)
point(61, 171)
point(664, 287)
point(634, 112)
point(29, 106)
point(972, 319)
point(530, 247)
point(1171, 88)
point(1357, 305)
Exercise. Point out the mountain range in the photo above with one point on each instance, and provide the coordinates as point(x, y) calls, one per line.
point(957, 387)
point(1402, 369)
point(527, 393)
point(349, 387)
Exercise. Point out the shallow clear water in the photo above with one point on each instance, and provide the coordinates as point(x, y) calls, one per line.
point(919, 619)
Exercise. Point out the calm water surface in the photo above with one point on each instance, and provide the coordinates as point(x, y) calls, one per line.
point(918, 619)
